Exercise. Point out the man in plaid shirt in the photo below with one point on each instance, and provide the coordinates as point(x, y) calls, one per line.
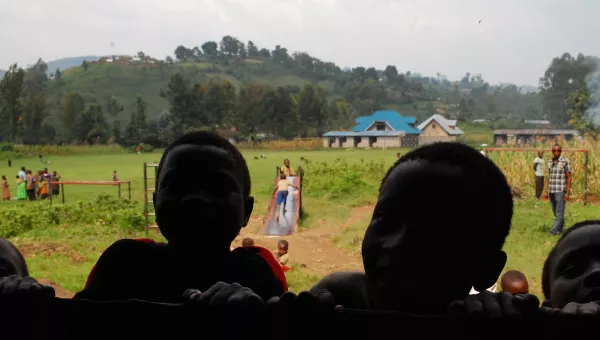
point(559, 186)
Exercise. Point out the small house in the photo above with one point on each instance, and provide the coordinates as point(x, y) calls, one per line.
point(379, 130)
point(438, 129)
point(531, 136)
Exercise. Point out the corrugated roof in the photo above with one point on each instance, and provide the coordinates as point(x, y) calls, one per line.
point(364, 134)
point(444, 123)
point(393, 118)
point(536, 132)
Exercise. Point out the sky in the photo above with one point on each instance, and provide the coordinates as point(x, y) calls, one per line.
point(514, 43)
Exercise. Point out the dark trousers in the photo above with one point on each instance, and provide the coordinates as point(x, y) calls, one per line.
point(539, 186)
point(557, 201)
point(31, 194)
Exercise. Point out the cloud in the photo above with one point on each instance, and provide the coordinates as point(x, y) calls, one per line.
point(515, 41)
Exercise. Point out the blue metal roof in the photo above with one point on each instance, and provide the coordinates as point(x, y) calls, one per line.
point(393, 118)
point(364, 134)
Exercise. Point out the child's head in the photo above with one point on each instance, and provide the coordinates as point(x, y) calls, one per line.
point(11, 260)
point(572, 269)
point(514, 282)
point(4, 177)
point(282, 247)
point(540, 154)
point(398, 155)
point(247, 242)
point(286, 162)
point(202, 192)
point(443, 212)
point(115, 172)
point(282, 176)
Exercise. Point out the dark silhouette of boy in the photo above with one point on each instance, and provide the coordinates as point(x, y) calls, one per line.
point(437, 230)
point(571, 274)
point(11, 260)
point(202, 200)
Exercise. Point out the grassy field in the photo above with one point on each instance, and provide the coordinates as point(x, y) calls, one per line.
point(65, 253)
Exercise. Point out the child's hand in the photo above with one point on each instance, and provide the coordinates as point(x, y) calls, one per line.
point(18, 288)
point(575, 309)
point(225, 296)
point(494, 305)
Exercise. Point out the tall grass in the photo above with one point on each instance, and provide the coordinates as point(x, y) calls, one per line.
point(518, 166)
point(281, 145)
point(10, 151)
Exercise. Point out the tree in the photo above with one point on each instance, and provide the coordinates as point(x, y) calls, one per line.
point(252, 49)
point(169, 60)
point(180, 52)
point(72, 106)
point(264, 53)
point(85, 65)
point(11, 88)
point(210, 49)
point(116, 132)
point(58, 77)
point(141, 55)
point(113, 107)
point(579, 102)
point(311, 110)
point(35, 110)
point(91, 126)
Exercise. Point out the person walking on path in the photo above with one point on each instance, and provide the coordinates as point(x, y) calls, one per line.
point(538, 167)
point(559, 186)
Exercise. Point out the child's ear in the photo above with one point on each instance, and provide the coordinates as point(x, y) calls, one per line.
point(489, 271)
point(248, 207)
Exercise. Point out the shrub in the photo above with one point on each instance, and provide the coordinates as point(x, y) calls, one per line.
point(22, 217)
point(340, 180)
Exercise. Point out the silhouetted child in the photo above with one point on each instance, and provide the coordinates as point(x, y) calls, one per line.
point(115, 176)
point(443, 212)
point(281, 188)
point(571, 271)
point(247, 242)
point(202, 201)
point(12, 261)
point(514, 282)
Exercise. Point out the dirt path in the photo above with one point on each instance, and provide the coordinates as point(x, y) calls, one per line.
point(313, 249)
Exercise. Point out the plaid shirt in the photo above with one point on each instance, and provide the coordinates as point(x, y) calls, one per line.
point(557, 175)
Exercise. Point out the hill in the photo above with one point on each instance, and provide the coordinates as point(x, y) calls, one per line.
point(67, 63)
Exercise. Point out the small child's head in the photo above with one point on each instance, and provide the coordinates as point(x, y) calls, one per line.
point(282, 247)
point(398, 155)
point(11, 260)
point(514, 282)
point(282, 176)
point(286, 162)
point(202, 192)
point(115, 172)
point(4, 177)
point(572, 269)
point(247, 242)
point(443, 211)
point(540, 154)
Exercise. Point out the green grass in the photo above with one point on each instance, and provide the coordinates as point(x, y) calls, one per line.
point(527, 245)
point(477, 134)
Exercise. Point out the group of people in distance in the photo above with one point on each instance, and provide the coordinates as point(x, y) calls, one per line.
point(414, 241)
point(32, 186)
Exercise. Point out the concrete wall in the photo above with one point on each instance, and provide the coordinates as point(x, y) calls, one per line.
point(388, 142)
point(423, 140)
point(434, 129)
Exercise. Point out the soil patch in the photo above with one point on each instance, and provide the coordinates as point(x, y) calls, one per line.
point(313, 249)
point(60, 293)
point(30, 250)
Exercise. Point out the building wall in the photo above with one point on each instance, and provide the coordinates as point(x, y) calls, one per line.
point(434, 129)
point(424, 140)
point(374, 128)
point(388, 142)
point(527, 139)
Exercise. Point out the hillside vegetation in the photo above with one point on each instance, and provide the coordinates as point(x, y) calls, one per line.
point(244, 91)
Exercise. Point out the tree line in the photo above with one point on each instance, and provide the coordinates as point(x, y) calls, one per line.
point(566, 96)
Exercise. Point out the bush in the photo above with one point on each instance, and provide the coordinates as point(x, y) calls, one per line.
point(20, 218)
point(340, 180)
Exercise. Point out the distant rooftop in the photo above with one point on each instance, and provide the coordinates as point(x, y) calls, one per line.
point(364, 134)
point(444, 124)
point(394, 119)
